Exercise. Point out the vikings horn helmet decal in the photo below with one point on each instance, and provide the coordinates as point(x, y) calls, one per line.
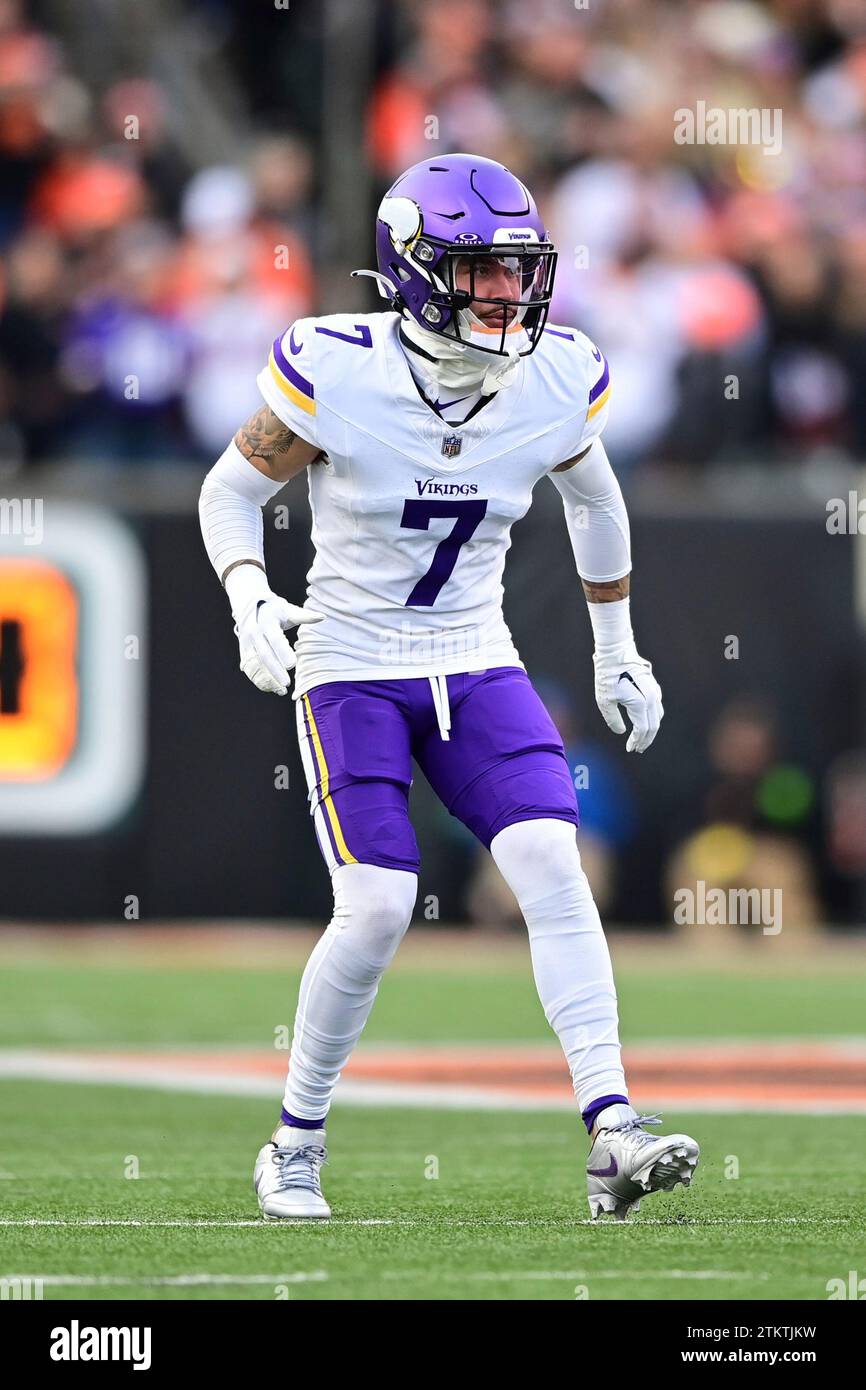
point(461, 208)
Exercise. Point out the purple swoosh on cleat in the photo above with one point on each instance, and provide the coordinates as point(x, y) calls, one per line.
point(610, 1172)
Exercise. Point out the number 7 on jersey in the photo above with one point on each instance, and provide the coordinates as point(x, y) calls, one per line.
point(417, 513)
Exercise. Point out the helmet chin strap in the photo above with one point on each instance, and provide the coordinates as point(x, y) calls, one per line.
point(459, 366)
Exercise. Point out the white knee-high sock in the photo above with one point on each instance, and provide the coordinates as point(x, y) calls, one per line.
point(372, 909)
point(540, 862)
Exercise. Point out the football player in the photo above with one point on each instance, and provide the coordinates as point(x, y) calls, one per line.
point(423, 430)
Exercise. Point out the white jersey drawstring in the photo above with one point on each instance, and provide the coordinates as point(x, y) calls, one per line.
point(439, 688)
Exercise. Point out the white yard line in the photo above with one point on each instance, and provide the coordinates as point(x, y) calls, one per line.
point(152, 1074)
point(529, 1274)
point(681, 1220)
point(320, 1276)
point(99, 1281)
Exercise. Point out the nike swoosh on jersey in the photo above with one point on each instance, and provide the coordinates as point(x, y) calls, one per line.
point(443, 405)
point(294, 347)
point(610, 1172)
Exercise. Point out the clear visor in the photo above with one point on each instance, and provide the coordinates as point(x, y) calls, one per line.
point(506, 289)
point(525, 277)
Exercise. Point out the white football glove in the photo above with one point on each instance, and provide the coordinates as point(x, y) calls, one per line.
point(624, 678)
point(262, 619)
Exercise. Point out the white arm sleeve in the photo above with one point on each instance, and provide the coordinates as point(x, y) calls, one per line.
point(230, 510)
point(596, 517)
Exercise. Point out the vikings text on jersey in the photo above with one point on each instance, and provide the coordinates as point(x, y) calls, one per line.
point(412, 516)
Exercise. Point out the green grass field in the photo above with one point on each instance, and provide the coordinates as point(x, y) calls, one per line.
point(506, 1217)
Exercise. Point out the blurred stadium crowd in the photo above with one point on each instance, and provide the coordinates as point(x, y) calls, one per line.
point(143, 275)
point(747, 816)
point(138, 290)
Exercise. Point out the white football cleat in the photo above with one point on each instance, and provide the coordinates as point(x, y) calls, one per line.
point(625, 1163)
point(286, 1175)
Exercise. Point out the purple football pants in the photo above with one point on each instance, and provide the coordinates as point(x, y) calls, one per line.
point(502, 762)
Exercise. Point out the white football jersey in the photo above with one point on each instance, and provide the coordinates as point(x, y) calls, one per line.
point(412, 516)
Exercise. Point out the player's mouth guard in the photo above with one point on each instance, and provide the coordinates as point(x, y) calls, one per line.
point(439, 688)
point(387, 291)
point(383, 284)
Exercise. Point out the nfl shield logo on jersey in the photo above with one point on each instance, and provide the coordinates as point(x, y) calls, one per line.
point(451, 445)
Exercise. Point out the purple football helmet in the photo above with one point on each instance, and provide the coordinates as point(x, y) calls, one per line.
point(459, 208)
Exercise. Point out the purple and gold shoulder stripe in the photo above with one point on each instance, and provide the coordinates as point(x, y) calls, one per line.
point(600, 392)
point(290, 381)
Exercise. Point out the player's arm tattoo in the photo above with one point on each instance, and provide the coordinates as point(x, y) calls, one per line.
point(264, 436)
point(611, 590)
point(569, 463)
point(608, 592)
point(234, 564)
